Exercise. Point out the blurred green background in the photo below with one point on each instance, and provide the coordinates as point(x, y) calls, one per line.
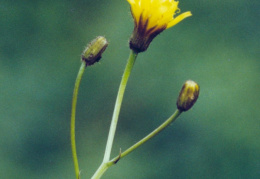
point(40, 47)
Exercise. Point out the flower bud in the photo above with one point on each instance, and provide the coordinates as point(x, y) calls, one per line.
point(94, 50)
point(188, 95)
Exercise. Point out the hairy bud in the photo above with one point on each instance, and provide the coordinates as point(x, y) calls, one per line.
point(94, 50)
point(188, 95)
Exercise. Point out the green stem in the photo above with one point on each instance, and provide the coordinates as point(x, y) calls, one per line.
point(171, 119)
point(102, 169)
point(119, 99)
point(105, 164)
point(73, 114)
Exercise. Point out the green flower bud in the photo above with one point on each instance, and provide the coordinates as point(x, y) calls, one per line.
point(94, 50)
point(188, 95)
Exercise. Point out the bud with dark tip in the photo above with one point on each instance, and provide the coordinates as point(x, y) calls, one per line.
point(188, 95)
point(94, 50)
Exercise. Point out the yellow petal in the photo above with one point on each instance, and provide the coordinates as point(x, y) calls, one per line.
point(131, 1)
point(178, 19)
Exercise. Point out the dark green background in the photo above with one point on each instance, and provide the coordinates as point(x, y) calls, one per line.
point(40, 47)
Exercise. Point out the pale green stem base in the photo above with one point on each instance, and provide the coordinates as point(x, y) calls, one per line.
point(73, 114)
point(105, 164)
point(102, 169)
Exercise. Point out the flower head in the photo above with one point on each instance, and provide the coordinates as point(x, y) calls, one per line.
point(151, 17)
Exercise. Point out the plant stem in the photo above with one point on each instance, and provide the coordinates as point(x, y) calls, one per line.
point(171, 119)
point(101, 170)
point(119, 99)
point(73, 114)
point(105, 164)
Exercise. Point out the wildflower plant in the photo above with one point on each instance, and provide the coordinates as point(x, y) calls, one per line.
point(151, 17)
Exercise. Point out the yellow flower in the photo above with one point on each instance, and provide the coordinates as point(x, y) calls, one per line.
point(151, 17)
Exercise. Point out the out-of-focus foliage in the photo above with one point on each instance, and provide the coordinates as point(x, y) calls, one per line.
point(40, 47)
